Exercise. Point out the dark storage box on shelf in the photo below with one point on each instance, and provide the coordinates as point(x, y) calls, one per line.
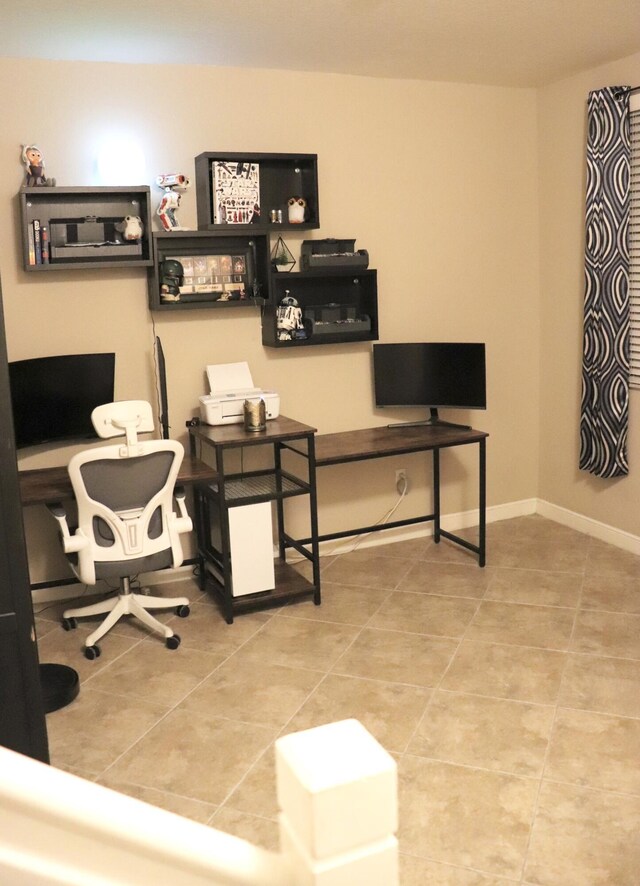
point(221, 271)
point(338, 306)
point(320, 255)
point(77, 227)
point(281, 176)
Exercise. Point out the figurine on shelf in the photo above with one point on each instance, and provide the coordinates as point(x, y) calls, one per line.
point(173, 185)
point(289, 319)
point(131, 227)
point(171, 279)
point(34, 166)
point(297, 210)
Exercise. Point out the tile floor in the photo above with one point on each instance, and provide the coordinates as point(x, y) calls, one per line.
point(509, 696)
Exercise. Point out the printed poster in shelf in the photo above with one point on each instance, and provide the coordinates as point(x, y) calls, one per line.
point(218, 277)
point(236, 192)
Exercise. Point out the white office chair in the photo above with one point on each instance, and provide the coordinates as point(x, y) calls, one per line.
point(126, 519)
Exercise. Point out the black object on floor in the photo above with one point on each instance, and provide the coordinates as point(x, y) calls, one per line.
point(60, 685)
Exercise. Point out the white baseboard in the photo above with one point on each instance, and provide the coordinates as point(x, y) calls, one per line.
point(609, 534)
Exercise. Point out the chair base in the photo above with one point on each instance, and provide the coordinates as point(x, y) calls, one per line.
point(127, 603)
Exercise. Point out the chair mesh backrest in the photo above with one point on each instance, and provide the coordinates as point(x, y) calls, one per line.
point(121, 484)
point(124, 484)
point(125, 502)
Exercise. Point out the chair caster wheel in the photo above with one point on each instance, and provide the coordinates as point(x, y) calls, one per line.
point(69, 624)
point(92, 652)
point(173, 642)
point(182, 611)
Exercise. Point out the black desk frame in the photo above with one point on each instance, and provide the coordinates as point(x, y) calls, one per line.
point(382, 442)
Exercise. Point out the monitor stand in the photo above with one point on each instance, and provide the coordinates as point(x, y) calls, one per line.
point(433, 421)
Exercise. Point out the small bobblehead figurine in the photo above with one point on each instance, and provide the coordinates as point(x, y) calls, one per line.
point(34, 167)
point(171, 279)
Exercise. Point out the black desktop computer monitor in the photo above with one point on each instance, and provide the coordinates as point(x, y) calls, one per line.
point(53, 397)
point(161, 368)
point(433, 375)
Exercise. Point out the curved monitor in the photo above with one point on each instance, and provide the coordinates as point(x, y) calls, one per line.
point(430, 374)
point(53, 397)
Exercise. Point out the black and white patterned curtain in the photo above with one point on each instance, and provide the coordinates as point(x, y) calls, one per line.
point(605, 359)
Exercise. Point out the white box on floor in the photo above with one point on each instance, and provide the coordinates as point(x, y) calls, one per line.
point(251, 548)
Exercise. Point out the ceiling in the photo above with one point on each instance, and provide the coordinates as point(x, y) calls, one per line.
point(518, 43)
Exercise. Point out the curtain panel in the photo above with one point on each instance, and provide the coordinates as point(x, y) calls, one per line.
point(605, 359)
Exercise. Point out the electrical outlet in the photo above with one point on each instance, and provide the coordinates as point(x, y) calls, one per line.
point(402, 481)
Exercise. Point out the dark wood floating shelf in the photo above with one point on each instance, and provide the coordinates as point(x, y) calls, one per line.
point(281, 176)
point(76, 228)
point(338, 306)
point(215, 264)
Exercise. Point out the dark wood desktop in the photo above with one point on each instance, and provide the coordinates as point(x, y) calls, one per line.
point(48, 485)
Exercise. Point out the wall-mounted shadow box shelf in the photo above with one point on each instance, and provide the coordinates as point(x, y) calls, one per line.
point(337, 307)
point(77, 227)
point(279, 177)
point(220, 270)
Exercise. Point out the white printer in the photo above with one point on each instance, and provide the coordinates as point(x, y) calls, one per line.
point(231, 384)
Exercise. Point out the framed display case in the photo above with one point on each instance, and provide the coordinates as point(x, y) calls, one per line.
point(198, 269)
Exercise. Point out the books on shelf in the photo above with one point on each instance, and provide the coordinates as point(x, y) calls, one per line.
point(38, 242)
point(44, 239)
point(32, 246)
point(236, 192)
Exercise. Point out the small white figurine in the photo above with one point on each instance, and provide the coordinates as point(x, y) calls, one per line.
point(131, 227)
point(297, 210)
point(289, 319)
point(34, 166)
point(173, 185)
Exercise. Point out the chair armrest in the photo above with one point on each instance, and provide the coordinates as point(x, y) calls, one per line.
point(70, 543)
point(183, 522)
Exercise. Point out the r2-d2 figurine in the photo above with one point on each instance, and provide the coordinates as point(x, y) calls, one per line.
point(289, 319)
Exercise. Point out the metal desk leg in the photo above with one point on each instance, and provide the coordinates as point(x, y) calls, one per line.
point(313, 508)
point(436, 496)
point(277, 460)
point(482, 459)
point(225, 539)
point(203, 532)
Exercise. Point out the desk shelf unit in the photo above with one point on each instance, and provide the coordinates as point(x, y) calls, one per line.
point(281, 176)
point(338, 306)
point(63, 211)
point(277, 483)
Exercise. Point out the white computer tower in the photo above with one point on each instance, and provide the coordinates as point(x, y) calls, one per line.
point(251, 548)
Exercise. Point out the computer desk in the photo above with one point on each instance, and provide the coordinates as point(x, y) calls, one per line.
point(384, 441)
point(43, 486)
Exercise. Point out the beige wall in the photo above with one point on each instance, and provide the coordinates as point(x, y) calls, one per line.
point(437, 181)
point(562, 120)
